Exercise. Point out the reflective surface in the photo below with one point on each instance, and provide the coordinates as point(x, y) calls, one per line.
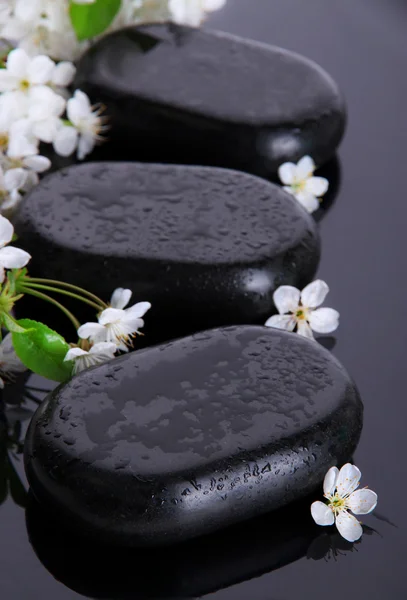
point(363, 45)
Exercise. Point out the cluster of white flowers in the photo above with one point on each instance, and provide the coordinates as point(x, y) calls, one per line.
point(114, 331)
point(44, 26)
point(34, 110)
point(35, 105)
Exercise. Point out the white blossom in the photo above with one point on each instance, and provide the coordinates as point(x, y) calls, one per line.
point(98, 354)
point(46, 108)
point(10, 364)
point(299, 309)
point(23, 73)
point(299, 180)
point(192, 12)
point(12, 182)
point(10, 257)
point(117, 324)
point(340, 489)
point(42, 27)
point(84, 131)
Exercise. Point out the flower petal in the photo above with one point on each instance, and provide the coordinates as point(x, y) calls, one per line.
point(348, 526)
point(66, 141)
point(74, 353)
point(305, 168)
point(120, 298)
point(18, 63)
point(307, 201)
point(6, 231)
point(78, 107)
point(21, 140)
point(348, 479)
point(324, 320)
point(211, 5)
point(362, 502)
point(15, 179)
point(318, 186)
point(322, 514)
point(86, 144)
point(110, 315)
point(286, 298)
point(90, 330)
point(40, 70)
point(286, 173)
point(63, 74)
point(37, 163)
point(137, 310)
point(330, 481)
point(314, 293)
point(7, 81)
point(305, 330)
point(13, 258)
point(104, 349)
point(286, 322)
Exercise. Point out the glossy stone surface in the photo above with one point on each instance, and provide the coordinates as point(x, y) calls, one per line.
point(183, 439)
point(175, 94)
point(205, 246)
point(189, 570)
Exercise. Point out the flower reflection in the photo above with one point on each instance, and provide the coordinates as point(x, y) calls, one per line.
point(331, 546)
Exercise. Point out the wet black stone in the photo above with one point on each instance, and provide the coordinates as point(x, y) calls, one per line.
point(175, 94)
point(205, 246)
point(176, 441)
point(190, 570)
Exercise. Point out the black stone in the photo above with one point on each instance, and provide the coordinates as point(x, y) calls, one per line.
point(172, 442)
point(188, 570)
point(206, 246)
point(175, 94)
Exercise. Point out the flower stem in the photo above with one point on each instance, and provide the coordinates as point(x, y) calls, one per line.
point(28, 284)
point(70, 286)
point(42, 296)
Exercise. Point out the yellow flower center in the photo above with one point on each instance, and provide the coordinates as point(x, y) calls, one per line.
point(337, 504)
point(24, 85)
point(3, 140)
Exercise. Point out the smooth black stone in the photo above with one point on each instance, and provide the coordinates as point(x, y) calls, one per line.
point(206, 246)
point(189, 570)
point(179, 440)
point(175, 94)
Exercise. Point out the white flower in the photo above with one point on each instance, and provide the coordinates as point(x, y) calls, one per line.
point(299, 180)
point(12, 108)
point(98, 354)
point(12, 182)
point(339, 490)
point(10, 364)
point(23, 152)
point(192, 12)
point(116, 324)
point(63, 74)
point(302, 310)
point(46, 108)
point(86, 127)
point(10, 257)
point(42, 27)
point(22, 72)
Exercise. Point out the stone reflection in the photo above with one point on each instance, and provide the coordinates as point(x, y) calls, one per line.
point(187, 570)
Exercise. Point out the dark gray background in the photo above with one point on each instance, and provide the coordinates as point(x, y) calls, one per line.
point(363, 44)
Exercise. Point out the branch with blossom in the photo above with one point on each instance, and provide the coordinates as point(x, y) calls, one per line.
point(37, 105)
point(33, 345)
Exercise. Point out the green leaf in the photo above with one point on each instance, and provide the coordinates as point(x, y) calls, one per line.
point(90, 20)
point(42, 350)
